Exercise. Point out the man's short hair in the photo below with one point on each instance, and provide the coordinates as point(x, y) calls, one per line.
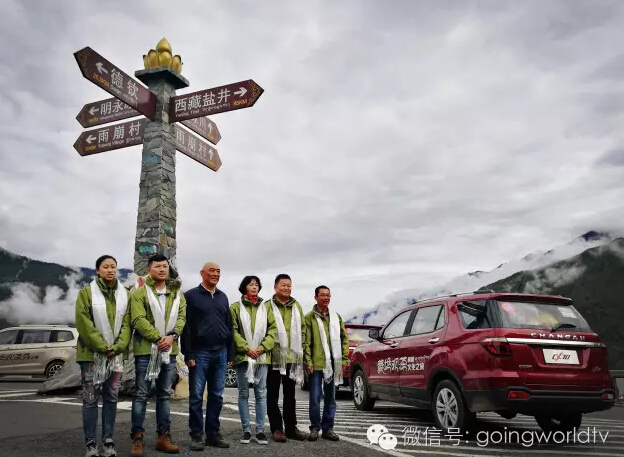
point(157, 258)
point(316, 291)
point(281, 276)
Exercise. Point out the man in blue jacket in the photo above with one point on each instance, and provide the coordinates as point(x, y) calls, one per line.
point(207, 345)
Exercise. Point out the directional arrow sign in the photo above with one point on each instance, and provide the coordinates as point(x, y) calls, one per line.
point(105, 111)
point(104, 74)
point(239, 95)
point(197, 149)
point(110, 137)
point(204, 127)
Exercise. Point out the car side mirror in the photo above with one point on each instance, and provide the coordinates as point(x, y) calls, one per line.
point(373, 333)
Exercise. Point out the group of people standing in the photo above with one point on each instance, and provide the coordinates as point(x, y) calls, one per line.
point(270, 343)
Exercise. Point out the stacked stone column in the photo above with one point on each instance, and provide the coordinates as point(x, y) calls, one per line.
point(156, 220)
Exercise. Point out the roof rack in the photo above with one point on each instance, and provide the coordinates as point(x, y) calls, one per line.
point(42, 325)
point(446, 296)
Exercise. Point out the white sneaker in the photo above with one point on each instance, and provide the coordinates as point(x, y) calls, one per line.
point(108, 448)
point(92, 450)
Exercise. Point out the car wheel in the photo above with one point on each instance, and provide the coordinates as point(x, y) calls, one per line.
point(359, 390)
point(559, 423)
point(53, 368)
point(450, 411)
point(230, 377)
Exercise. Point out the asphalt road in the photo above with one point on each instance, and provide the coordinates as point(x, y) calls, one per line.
point(51, 426)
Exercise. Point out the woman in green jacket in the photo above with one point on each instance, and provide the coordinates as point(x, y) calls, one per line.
point(103, 324)
point(254, 337)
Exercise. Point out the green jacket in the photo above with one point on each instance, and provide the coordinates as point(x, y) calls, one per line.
point(313, 355)
point(90, 340)
point(143, 321)
point(286, 313)
point(240, 344)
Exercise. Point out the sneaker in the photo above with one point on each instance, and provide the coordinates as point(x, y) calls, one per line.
point(279, 436)
point(261, 438)
point(217, 441)
point(246, 438)
point(196, 444)
point(92, 450)
point(330, 435)
point(108, 448)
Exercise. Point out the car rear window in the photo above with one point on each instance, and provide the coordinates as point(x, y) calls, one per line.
point(542, 316)
point(521, 315)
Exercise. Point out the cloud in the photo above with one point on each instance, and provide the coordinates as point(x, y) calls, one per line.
point(393, 148)
point(553, 277)
point(31, 305)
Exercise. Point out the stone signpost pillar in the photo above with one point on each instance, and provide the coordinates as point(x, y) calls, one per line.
point(156, 220)
point(160, 132)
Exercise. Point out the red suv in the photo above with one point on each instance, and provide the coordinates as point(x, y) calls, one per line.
point(468, 353)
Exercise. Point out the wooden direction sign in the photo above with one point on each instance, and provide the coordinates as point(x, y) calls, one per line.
point(197, 149)
point(231, 97)
point(105, 111)
point(205, 128)
point(104, 74)
point(110, 137)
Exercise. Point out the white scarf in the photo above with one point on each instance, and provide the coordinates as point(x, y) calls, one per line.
point(158, 357)
point(336, 348)
point(104, 367)
point(296, 347)
point(260, 329)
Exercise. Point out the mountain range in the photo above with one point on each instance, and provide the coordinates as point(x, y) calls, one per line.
point(589, 269)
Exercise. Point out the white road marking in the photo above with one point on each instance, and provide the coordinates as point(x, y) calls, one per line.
point(16, 394)
point(354, 437)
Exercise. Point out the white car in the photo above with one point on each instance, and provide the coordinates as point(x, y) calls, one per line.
point(36, 350)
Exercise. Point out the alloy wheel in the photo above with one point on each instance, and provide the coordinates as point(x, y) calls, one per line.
point(54, 368)
point(230, 377)
point(358, 390)
point(447, 408)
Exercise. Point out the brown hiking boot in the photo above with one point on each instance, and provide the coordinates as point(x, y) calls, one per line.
point(164, 443)
point(137, 444)
point(279, 436)
point(296, 434)
point(330, 435)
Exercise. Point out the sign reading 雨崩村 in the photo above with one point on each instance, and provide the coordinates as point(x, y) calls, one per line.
point(110, 137)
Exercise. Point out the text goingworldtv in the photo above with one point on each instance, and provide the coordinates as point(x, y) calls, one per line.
point(427, 436)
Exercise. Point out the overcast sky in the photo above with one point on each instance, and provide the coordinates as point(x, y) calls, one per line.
point(397, 144)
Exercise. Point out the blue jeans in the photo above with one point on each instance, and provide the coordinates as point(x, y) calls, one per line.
point(210, 367)
point(329, 404)
point(109, 391)
point(260, 392)
point(163, 394)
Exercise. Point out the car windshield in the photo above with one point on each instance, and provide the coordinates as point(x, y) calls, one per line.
point(358, 335)
point(542, 316)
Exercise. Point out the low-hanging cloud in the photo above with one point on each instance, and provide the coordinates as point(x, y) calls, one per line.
point(30, 304)
point(552, 278)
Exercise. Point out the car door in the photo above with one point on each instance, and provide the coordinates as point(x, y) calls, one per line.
point(8, 338)
point(31, 350)
point(384, 358)
point(424, 335)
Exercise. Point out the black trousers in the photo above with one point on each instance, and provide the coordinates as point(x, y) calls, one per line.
point(274, 380)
